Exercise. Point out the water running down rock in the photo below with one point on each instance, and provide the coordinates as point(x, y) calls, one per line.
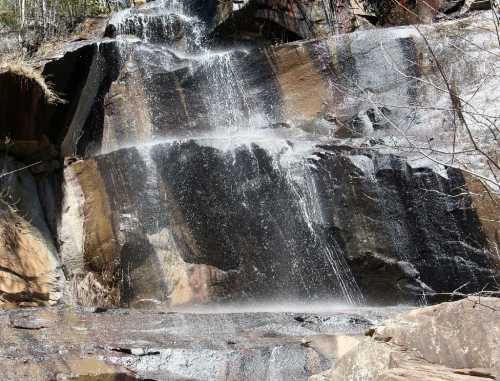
point(211, 195)
point(253, 187)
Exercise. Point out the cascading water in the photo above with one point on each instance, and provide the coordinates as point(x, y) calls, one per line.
point(171, 39)
point(210, 180)
point(304, 187)
point(225, 191)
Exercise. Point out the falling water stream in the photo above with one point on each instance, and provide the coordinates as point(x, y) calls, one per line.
point(234, 121)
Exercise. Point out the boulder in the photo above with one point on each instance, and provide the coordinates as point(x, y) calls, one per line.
point(450, 341)
point(458, 335)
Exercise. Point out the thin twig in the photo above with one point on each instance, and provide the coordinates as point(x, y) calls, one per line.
point(19, 169)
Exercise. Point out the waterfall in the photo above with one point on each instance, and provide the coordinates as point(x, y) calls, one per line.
point(174, 36)
point(227, 193)
point(304, 187)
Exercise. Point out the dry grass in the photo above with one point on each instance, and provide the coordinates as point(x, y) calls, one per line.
point(31, 75)
point(86, 289)
point(10, 224)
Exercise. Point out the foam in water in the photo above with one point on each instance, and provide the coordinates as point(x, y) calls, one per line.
point(331, 306)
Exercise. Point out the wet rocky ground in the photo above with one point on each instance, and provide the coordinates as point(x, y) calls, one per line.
point(97, 344)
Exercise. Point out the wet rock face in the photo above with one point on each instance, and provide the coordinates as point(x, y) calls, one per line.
point(349, 86)
point(85, 73)
point(264, 201)
point(399, 224)
point(244, 224)
point(218, 92)
point(195, 223)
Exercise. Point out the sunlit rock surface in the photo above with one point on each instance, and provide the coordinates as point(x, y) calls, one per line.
point(30, 272)
point(450, 341)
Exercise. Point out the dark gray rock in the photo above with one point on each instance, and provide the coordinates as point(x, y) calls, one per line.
point(194, 222)
point(379, 205)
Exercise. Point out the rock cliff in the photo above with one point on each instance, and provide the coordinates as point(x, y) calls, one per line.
point(180, 165)
point(250, 178)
